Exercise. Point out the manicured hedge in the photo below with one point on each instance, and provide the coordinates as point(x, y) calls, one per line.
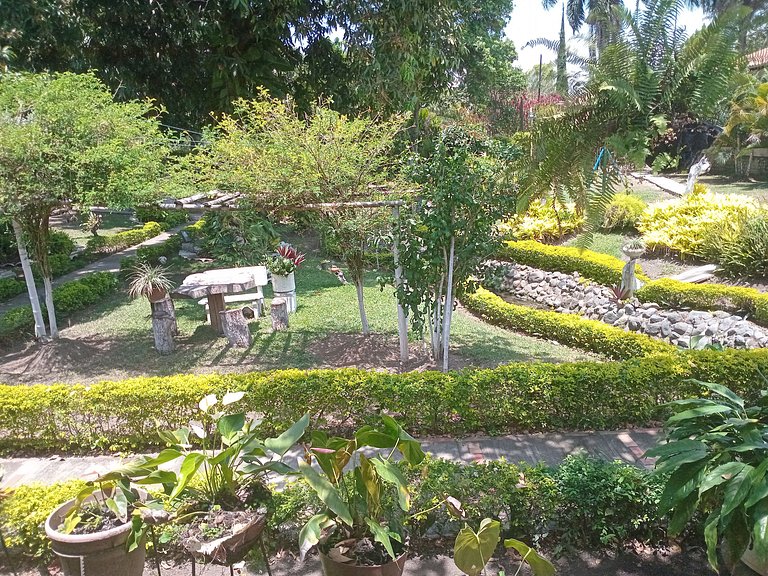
point(601, 268)
point(123, 240)
point(516, 397)
point(67, 298)
point(10, 287)
point(169, 249)
point(569, 329)
point(676, 294)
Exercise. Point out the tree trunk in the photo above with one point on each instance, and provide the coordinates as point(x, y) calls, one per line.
point(361, 306)
point(235, 327)
point(164, 326)
point(34, 299)
point(279, 313)
point(52, 325)
point(402, 321)
point(448, 314)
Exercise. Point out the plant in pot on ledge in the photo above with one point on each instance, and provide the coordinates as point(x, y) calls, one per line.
point(361, 531)
point(716, 459)
point(152, 282)
point(220, 492)
point(282, 265)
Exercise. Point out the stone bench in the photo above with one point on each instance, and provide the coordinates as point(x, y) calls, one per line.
point(256, 300)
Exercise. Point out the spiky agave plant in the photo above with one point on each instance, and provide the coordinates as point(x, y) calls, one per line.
point(148, 280)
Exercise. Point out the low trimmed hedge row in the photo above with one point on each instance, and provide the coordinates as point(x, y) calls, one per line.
point(676, 294)
point(601, 268)
point(123, 240)
point(10, 287)
point(516, 397)
point(67, 298)
point(568, 329)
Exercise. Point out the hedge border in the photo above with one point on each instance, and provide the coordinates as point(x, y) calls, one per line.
point(517, 397)
point(569, 329)
point(707, 297)
point(601, 268)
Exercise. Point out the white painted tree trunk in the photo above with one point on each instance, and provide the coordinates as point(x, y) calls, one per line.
point(402, 321)
point(52, 325)
point(448, 314)
point(361, 306)
point(34, 299)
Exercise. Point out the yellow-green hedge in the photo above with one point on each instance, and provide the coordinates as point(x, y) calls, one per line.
point(601, 268)
point(516, 397)
point(569, 329)
point(674, 293)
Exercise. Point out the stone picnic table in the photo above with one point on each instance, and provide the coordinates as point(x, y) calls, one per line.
point(214, 284)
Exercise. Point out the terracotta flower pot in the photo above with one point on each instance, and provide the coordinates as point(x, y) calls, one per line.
point(157, 295)
point(333, 568)
point(94, 554)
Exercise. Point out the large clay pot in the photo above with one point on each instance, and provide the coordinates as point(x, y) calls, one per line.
point(157, 295)
point(333, 568)
point(283, 283)
point(94, 554)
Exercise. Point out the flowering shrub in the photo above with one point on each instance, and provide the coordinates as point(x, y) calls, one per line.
point(285, 260)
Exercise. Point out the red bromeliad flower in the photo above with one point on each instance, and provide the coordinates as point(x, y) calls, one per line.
point(290, 253)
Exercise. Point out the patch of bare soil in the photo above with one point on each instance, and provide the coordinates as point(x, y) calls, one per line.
point(375, 352)
point(663, 266)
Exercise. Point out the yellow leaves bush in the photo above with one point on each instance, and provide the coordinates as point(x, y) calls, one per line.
point(541, 222)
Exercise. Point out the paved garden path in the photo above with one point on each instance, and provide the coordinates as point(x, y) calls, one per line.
point(551, 448)
point(109, 263)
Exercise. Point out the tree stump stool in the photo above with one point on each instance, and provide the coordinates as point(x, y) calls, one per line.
point(164, 326)
point(279, 314)
point(234, 324)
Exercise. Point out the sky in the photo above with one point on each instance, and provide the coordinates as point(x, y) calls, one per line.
point(529, 20)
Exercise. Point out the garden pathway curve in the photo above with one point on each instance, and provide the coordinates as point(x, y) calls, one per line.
point(550, 448)
point(109, 263)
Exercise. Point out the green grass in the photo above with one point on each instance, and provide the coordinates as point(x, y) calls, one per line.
point(726, 185)
point(605, 243)
point(114, 339)
point(111, 224)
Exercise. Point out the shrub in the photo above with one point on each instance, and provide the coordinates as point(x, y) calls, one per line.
point(24, 512)
point(516, 397)
point(67, 298)
point(676, 294)
point(123, 240)
point(605, 504)
point(623, 213)
point(569, 329)
point(684, 225)
point(169, 249)
point(10, 287)
point(237, 237)
point(601, 268)
point(746, 253)
point(153, 213)
point(542, 223)
point(60, 243)
point(195, 230)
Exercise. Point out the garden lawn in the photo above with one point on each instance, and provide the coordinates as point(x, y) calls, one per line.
point(111, 224)
point(113, 340)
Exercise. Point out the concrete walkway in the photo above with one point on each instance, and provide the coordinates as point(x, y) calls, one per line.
point(109, 263)
point(666, 184)
point(626, 445)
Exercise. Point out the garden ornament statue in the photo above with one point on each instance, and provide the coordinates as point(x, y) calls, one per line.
point(629, 281)
point(701, 167)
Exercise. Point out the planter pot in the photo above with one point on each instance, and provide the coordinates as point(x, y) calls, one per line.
point(94, 554)
point(334, 568)
point(283, 283)
point(231, 548)
point(157, 295)
point(759, 565)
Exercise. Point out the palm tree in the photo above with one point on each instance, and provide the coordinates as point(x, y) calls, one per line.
point(599, 15)
point(754, 15)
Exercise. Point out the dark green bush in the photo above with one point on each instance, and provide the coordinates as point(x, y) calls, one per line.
point(238, 237)
point(169, 249)
point(601, 268)
point(515, 397)
point(746, 253)
point(123, 240)
point(570, 329)
point(153, 213)
point(10, 287)
point(623, 213)
point(60, 243)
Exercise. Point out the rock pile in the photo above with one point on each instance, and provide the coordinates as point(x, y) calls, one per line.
point(571, 294)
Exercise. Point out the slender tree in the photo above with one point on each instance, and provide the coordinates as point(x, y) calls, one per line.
point(562, 70)
point(598, 15)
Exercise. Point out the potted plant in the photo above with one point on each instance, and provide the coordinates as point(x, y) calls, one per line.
point(150, 281)
point(282, 265)
point(360, 532)
point(634, 248)
point(101, 531)
point(716, 459)
point(221, 483)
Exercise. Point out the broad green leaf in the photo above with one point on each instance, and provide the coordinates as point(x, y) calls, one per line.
point(130, 471)
point(189, 467)
point(682, 514)
point(230, 425)
point(389, 472)
point(409, 447)
point(310, 534)
point(158, 477)
point(71, 521)
point(722, 473)
point(383, 536)
point(698, 412)
point(674, 454)
point(725, 392)
point(758, 492)
point(540, 566)
point(277, 467)
point(760, 529)
point(165, 456)
point(231, 398)
point(118, 504)
point(208, 402)
point(680, 484)
point(375, 439)
point(736, 491)
point(370, 480)
point(472, 550)
point(673, 448)
point(326, 492)
point(138, 527)
point(711, 538)
point(287, 439)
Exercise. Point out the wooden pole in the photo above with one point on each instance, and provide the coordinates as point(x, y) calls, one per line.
point(402, 322)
